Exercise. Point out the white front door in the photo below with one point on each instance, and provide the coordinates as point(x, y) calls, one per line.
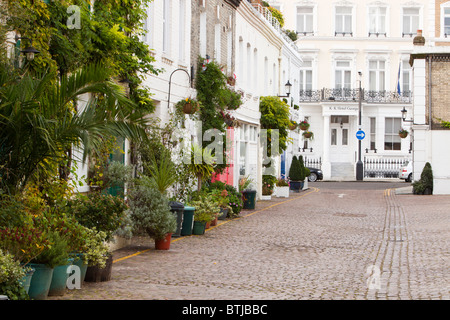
point(340, 139)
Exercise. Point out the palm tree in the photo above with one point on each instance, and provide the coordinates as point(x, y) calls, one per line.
point(39, 120)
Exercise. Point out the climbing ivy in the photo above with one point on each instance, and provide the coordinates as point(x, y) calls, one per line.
point(215, 97)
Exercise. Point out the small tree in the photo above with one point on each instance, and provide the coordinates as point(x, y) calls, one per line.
point(425, 184)
point(295, 171)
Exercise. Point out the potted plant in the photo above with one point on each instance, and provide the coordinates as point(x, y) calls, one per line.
point(296, 175)
point(150, 213)
point(267, 187)
point(102, 212)
point(13, 278)
point(205, 208)
point(248, 193)
point(282, 188)
point(304, 125)
point(188, 106)
point(403, 133)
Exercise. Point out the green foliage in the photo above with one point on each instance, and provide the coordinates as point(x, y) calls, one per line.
point(425, 184)
point(293, 36)
point(201, 163)
point(206, 207)
point(234, 197)
point(38, 107)
point(97, 210)
point(162, 173)
point(275, 115)
point(214, 97)
point(95, 252)
point(150, 212)
point(56, 253)
point(268, 184)
point(296, 171)
point(11, 274)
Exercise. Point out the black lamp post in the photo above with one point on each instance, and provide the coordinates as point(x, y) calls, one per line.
point(29, 51)
point(288, 86)
point(359, 164)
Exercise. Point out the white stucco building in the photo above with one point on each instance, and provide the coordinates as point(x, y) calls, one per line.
point(345, 45)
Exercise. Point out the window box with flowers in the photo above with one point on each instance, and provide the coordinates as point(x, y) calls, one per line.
point(282, 188)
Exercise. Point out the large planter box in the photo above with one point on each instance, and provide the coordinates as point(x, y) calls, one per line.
point(296, 186)
point(282, 192)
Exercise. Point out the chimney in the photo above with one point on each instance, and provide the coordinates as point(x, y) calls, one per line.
point(419, 40)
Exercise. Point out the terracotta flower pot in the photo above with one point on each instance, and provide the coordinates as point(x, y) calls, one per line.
point(163, 244)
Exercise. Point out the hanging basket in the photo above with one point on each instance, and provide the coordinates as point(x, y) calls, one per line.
point(293, 126)
point(304, 126)
point(403, 135)
point(307, 135)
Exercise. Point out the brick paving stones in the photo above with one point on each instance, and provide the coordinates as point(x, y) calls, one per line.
point(324, 243)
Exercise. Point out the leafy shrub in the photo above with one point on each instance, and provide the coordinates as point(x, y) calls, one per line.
point(103, 212)
point(150, 212)
point(234, 197)
point(56, 253)
point(205, 208)
point(95, 251)
point(425, 184)
point(11, 274)
point(268, 184)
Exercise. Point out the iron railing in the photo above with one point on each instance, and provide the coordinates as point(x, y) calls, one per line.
point(383, 167)
point(352, 95)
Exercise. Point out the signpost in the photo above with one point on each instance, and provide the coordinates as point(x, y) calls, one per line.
point(360, 135)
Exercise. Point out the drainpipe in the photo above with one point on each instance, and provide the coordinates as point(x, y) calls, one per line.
point(429, 58)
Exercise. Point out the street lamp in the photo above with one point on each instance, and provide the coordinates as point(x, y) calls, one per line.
point(287, 86)
point(404, 112)
point(359, 164)
point(28, 51)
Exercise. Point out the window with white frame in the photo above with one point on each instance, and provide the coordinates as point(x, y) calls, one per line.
point(377, 21)
point(217, 50)
point(343, 20)
point(411, 21)
point(392, 140)
point(181, 30)
point(406, 80)
point(342, 78)
point(446, 21)
point(372, 136)
point(305, 20)
point(166, 26)
point(306, 79)
point(377, 75)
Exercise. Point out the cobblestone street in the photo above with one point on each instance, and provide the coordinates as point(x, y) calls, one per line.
point(334, 241)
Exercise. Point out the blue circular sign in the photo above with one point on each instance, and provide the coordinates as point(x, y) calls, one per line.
point(360, 134)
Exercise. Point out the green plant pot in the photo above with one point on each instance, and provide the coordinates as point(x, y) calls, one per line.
point(249, 199)
point(59, 279)
point(26, 280)
point(80, 264)
point(199, 228)
point(40, 282)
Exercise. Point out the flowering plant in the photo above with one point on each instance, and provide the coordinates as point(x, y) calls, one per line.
point(282, 182)
point(187, 105)
point(268, 184)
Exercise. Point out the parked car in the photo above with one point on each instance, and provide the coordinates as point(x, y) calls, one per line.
point(406, 172)
point(315, 174)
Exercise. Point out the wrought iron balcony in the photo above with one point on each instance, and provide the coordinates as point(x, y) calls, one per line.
point(352, 95)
